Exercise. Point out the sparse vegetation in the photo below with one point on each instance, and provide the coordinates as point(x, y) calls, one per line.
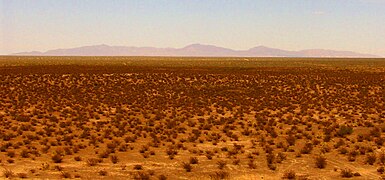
point(7, 173)
point(187, 166)
point(320, 162)
point(289, 175)
point(347, 173)
point(213, 115)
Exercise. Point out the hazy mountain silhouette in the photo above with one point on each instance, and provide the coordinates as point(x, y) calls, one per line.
point(192, 50)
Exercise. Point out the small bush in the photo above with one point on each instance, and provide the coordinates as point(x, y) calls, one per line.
point(307, 148)
point(140, 175)
point(162, 177)
point(289, 175)
point(22, 175)
point(236, 161)
point(10, 161)
point(221, 164)
point(251, 164)
point(24, 153)
point(381, 158)
point(77, 158)
point(272, 166)
point(58, 168)
point(187, 166)
point(102, 173)
point(381, 170)
point(138, 167)
point(92, 161)
point(8, 173)
point(347, 173)
point(57, 158)
point(371, 158)
point(194, 160)
point(344, 130)
point(320, 162)
point(11, 154)
point(114, 159)
point(65, 174)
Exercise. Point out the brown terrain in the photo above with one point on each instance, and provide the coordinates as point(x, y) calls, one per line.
point(191, 118)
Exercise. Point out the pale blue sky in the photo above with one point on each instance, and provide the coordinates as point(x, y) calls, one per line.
point(357, 25)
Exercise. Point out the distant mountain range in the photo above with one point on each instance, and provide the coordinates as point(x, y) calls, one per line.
point(193, 50)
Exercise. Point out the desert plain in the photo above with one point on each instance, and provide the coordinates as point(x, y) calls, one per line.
point(191, 118)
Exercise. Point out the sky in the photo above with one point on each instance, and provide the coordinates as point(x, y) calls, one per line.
point(41, 25)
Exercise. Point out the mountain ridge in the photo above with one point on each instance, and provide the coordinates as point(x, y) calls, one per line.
point(193, 50)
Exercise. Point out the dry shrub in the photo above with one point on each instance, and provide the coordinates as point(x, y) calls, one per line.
point(102, 173)
point(194, 160)
point(187, 166)
point(344, 130)
point(92, 161)
point(57, 158)
point(252, 164)
point(138, 167)
point(236, 161)
point(7, 173)
point(22, 175)
point(114, 159)
point(162, 177)
point(77, 158)
point(320, 162)
point(381, 157)
point(289, 175)
point(381, 170)
point(221, 164)
point(347, 173)
point(65, 174)
point(371, 158)
point(140, 175)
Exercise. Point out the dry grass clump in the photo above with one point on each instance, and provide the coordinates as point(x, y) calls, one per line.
point(7, 173)
point(221, 164)
point(57, 158)
point(140, 175)
point(289, 175)
point(347, 173)
point(22, 175)
point(320, 162)
point(187, 166)
point(65, 174)
point(102, 173)
point(114, 159)
point(138, 167)
point(92, 161)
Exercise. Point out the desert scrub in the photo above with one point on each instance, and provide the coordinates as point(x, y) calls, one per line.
point(187, 166)
point(289, 175)
point(221, 164)
point(320, 162)
point(57, 158)
point(194, 160)
point(92, 161)
point(114, 159)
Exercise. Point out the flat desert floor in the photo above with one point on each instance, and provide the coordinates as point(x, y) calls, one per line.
point(191, 118)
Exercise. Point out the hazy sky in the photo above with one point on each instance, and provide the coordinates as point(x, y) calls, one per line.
point(357, 25)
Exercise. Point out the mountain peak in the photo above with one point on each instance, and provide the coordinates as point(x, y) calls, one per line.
point(103, 45)
point(198, 45)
